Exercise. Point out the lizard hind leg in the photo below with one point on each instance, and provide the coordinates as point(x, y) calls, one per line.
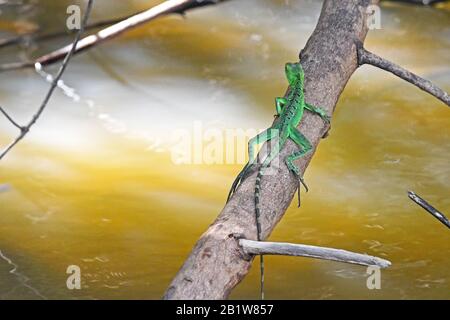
point(237, 181)
point(252, 144)
point(305, 148)
point(289, 162)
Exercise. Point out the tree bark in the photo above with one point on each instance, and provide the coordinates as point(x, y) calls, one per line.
point(217, 263)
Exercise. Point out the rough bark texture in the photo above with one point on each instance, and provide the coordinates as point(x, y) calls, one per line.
point(217, 263)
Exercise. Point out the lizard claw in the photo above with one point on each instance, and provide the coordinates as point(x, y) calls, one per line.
point(303, 183)
point(326, 118)
point(300, 180)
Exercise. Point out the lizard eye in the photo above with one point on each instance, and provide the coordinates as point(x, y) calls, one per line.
point(290, 67)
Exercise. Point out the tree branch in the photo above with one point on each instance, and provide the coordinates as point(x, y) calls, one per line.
point(164, 8)
point(24, 130)
point(288, 249)
point(428, 207)
point(366, 57)
point(10, 119)
point(217, 263)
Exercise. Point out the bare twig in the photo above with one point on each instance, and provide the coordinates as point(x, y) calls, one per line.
point(164, 8)
point(428, 207)
point(25, 129)
point(10, 119)
point(302, 250)
point(366, 57)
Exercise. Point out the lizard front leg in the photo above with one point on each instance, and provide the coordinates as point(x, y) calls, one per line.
point(279, 104)
point(305, 148)
point(319, 111)
point(322, 113)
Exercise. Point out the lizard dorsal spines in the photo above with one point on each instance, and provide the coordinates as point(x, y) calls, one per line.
point(294, 73)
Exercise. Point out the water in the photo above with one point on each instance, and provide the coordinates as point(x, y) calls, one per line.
point(94, 183)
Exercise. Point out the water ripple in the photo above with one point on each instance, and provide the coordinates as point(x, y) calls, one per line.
point(23, 280)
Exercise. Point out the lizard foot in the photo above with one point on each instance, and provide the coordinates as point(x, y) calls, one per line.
point(300, 180)
point(237, 182)
point(326, 118)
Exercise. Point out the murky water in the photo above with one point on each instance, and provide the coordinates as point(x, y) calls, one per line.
point(95, 185)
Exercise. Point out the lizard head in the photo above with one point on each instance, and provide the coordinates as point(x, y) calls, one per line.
point(294, 72)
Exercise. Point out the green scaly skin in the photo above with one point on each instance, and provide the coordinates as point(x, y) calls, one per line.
point(289, 112)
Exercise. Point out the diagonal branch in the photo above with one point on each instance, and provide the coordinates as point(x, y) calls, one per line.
point(164, 8)
point(24, 130)
point(302, 250)
point(367, 57)
point(10, 119)
point(428, 207)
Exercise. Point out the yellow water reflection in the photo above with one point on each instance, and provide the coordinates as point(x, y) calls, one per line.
point(96, 186)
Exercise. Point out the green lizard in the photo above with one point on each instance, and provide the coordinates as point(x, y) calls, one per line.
point(289, 114)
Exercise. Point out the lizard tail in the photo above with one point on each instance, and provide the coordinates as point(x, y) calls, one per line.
point(258, 225)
